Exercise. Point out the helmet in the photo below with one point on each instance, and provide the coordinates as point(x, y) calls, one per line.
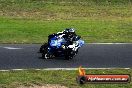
point(69, 31)
point(72, 30)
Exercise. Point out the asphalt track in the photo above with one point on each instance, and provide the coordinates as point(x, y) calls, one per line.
point(25, 56)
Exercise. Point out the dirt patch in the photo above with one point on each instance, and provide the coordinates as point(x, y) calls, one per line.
point(44, 86)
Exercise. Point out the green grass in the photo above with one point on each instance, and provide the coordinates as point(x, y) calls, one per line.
point(30, 21)
point(14, 79)
point(30, 31)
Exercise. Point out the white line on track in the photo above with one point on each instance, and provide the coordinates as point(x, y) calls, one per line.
point(110, 43)
point(61, 69)
point(12, 48)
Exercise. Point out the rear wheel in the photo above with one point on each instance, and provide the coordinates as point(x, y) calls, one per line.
point(43, 48)
point(44, 51)
point(46, 55)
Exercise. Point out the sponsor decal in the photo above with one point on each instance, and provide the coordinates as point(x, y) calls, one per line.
point(101, 78)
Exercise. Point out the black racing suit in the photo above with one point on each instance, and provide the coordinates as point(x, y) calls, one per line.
point(69, 39)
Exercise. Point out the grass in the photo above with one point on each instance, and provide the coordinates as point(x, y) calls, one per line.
point(31, 21)
point(30, 31)
point(13, 79)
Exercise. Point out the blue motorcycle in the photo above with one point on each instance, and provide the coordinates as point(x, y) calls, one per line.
point(57, 46)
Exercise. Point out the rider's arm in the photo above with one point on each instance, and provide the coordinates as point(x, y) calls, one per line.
point(60, 32)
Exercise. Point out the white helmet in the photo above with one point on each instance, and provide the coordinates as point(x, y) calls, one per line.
point(72, 30)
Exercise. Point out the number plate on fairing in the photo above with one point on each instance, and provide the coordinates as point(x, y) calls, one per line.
point(53, 43)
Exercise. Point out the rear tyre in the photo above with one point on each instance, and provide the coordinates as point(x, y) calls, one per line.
point(44, 51)
point(43, 48)
point(46, 55)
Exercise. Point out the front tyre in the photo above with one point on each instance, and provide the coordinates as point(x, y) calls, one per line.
point(68, 55)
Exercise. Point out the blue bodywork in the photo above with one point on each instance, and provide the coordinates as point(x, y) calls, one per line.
point(56, 42)
point(81, 42)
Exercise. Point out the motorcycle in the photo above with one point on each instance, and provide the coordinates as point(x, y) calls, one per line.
point(57, 47)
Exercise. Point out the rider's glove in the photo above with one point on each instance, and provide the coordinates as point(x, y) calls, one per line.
point(63, 46)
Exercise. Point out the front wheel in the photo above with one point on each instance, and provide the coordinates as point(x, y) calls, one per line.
point(68, 55)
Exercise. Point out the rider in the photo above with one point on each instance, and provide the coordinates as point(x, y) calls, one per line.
point(69, 35)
